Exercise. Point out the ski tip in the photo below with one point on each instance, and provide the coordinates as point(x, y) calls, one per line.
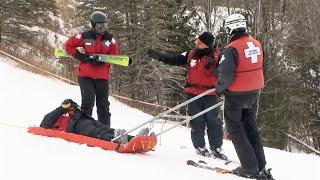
point(190, 162)
point(202, 161)
point(228, 162)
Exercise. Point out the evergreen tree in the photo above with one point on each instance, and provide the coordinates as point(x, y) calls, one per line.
point(17, 18)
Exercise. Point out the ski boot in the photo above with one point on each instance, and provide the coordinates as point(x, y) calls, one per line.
point(218, 152)
point(265, 174)
point(239, 171)
point(124, 137)
point(143, 132)
point(203, 151)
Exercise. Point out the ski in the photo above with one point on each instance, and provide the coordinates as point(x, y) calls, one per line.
point(203, 165)
point(216, 169)
point(222, 160)
point(112, 59)
point(227, 161)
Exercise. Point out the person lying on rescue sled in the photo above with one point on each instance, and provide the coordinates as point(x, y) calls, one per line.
point(68, 117)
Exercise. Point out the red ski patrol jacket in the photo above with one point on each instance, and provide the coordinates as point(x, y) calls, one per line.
point(93, 44)
point(200, 79)
point(249, 71)
point(62, 122)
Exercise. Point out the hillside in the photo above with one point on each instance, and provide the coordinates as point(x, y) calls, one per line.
point(26, 97)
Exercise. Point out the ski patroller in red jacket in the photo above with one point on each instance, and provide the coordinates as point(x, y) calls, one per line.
point(200, 79)
point(249, 71)
point(93, 44)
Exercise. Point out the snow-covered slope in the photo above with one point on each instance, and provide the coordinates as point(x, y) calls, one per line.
point(26, 97)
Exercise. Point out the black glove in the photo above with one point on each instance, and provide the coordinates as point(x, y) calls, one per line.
point(219, 93)
point(130, 61)
point(208, 63)
point(154, 54)
point(92, 59)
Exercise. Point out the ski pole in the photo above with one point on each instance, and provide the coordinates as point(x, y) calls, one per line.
point(167, 112)
point(192, 117)
point(175, 117)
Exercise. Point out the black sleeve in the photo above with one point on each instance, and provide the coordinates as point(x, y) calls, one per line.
point(215, 71)
point(177, 60)
point(227, 67)
point(50, 118)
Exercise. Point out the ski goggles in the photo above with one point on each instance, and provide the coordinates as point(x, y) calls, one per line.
point(100, 27)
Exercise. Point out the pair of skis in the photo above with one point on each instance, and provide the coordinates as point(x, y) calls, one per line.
point(203, 165)
point(112, 59)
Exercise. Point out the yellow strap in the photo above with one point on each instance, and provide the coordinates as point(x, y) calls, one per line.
point(149, 145)
point(65, 106)
point(133, 147)
point(142, 144)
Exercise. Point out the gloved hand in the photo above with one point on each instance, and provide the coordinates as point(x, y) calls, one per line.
point(154, 54)
point(92, 59)
point(219, 93)
point(208, 63)
point(130, 61)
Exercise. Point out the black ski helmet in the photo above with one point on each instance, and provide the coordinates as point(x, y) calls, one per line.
point(97, 17)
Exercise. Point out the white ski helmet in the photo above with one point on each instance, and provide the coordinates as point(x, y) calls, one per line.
point(235, 21)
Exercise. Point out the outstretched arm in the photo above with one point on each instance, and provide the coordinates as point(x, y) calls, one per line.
point(177, 60)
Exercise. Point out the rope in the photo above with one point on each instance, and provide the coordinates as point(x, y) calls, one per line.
point(47, 72)
point(73, 82)
point(142, 102)
point(12, 125)
point(301, 142)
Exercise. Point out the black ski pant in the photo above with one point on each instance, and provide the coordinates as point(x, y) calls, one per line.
point(209, 120)
point(240, 113)
point(98, 89)
point(92, 128)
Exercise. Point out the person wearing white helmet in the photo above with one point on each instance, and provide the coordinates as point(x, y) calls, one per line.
point(241, 78)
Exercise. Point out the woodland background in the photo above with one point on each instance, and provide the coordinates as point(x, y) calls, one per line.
point(288, 30)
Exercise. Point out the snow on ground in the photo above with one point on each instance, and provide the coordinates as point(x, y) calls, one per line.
point(26, 97)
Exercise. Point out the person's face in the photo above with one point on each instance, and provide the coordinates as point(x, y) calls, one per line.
point(231, 35)
point(101, 27)
point(200, 45)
